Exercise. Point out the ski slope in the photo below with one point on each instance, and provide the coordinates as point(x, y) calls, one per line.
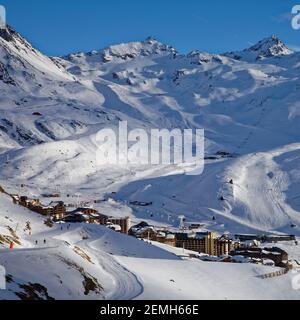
point(51, 110)
point(246, 102)
point(93, 262)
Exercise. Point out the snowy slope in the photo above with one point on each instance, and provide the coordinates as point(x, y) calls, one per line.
point(247, 102)
point(93, 262)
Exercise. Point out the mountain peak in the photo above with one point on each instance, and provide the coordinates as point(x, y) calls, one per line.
point(9, 36)
point(150, 40)
point(271, 46)
point(128, 51)
point(266, 48)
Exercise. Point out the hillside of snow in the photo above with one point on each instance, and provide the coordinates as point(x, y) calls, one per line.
point(247, 102)
point(92, 262)
point(51, 110)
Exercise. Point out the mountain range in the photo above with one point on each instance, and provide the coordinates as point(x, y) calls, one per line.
point(247, 102)
point(51, 109)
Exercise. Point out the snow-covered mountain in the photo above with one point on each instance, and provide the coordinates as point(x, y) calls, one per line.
point(264, 49)
point(51, 109)
point(247, 102)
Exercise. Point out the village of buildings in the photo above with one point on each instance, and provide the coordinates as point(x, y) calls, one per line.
point(194, 241)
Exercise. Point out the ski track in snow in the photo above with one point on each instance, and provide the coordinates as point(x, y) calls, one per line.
point(127, 285)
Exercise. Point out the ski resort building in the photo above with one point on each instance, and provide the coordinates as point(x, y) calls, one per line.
point(26, 202)
point(124, 223)
point(55, 210)
point(89, 215)
point(275, 254)
point(86, 211)
point(166, 238)
point(76, 217)
point(144, 231)
point(205, 242)
point(265, 237)
point(201, 242)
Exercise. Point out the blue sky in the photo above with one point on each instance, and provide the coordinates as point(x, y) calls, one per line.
point(59, 27)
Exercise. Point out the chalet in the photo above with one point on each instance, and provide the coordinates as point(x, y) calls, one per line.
point(58, 209)
point(86, 211)
point(250, 244)
point(144, 231)
point(55, 210)
point(265, 237)
point(93, 216)
point(45, 211)
point(134, 229)
point(148, 232)
point(275, 254)
point(124, 223)
point(87, 215)
point(26, 202)
point(83, 214)
point(76, 218)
